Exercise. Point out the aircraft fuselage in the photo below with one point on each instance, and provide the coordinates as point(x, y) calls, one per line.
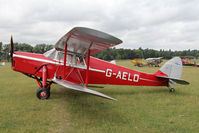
point(100, 72)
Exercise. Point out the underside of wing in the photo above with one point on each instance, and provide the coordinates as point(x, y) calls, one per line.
point(80, 40)
point(77, 87)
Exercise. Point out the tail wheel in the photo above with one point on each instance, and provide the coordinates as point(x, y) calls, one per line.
point(172, 90)
point(43, 93)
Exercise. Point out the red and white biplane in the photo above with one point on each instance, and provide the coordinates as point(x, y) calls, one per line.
point(70, 64)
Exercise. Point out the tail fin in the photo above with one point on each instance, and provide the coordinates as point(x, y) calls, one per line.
point(172, 70)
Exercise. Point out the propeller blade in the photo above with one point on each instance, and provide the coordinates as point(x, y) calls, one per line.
point(11, 50)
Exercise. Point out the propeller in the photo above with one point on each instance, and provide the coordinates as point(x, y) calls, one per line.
point(11, 50)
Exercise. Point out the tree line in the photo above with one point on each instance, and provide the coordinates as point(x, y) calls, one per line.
point(113, 53)
point(108, 54)
point(39, 48)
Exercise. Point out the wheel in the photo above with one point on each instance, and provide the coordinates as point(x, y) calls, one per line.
point(172, 90)
point(43, 93)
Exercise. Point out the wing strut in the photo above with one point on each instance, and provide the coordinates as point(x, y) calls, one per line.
point(87, 70)
point(88, 64)
point(65, 56)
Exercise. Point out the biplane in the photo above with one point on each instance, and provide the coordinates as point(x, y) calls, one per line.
point(188, 60)
point(154, 61)
point(148, 62)
point(138, 62)
point(71, 65)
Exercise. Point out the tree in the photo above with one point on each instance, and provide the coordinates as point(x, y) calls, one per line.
point(1, 48)
point(42, 48)
point(108, 54)
point(5, 52)
point(23, 47)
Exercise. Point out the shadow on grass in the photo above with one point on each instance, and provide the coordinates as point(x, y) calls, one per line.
point(145, 90)
point(163, 91)
point(65, 92)
point(83, 106)
point(88, 111)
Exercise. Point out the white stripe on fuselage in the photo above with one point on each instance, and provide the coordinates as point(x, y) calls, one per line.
point(35, 59)
point(54, 62)
point(148, 80)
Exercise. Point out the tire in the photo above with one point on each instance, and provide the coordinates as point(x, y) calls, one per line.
point(172, 90)
point(43, 93)
point(49, 91)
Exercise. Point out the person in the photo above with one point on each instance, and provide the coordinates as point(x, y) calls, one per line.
point(194, 61)
point(2, 64)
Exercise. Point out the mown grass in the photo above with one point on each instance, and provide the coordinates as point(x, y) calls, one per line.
point(138, 109)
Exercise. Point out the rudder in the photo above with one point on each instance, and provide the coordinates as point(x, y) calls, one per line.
point(173, 68)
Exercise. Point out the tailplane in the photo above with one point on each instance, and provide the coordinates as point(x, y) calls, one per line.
point(172, 70)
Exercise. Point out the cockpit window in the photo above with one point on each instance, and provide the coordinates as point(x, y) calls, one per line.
point(72, 58)
point(60, 56)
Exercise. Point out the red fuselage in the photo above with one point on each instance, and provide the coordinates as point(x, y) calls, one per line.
point(100, 72)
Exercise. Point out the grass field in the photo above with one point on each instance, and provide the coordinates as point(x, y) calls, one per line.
point(138, 109)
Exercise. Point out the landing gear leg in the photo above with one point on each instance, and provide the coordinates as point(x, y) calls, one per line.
point(171, 89)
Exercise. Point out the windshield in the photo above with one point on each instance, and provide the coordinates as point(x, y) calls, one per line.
point(50, 54)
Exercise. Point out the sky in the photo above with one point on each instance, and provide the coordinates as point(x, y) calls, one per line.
point(154, 24)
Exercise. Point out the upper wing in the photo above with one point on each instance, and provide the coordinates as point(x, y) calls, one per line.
point(73, 86)
point(149, 59)
point(80, 39)
point(158, 58)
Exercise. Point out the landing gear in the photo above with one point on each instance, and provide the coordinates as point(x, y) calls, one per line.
point(43, 93)
point(171, 89)
point(44, 85)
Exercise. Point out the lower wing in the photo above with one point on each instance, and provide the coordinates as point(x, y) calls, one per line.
point(77, 87)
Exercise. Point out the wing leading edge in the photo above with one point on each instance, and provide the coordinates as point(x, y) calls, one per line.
point(77, 87)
